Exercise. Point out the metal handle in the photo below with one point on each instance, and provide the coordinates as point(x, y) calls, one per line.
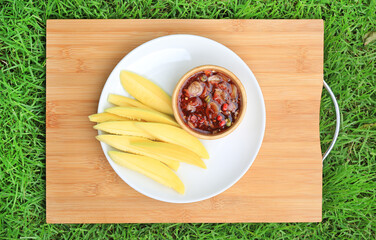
point(338, 120)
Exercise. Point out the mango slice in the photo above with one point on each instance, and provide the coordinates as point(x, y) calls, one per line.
point(149, 167)
point(174, 135)
point(162, 150)
point(124, 143)
point(105, 117)
point(146, 92)
point(168, 153)
point(123, 128)
point(142, 114)
point(122, 101)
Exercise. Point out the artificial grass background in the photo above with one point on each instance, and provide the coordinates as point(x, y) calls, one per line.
point(349, 184)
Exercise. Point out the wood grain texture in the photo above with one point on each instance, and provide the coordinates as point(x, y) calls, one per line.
point(284, 183)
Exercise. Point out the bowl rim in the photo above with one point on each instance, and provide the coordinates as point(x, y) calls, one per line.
point(183, 79)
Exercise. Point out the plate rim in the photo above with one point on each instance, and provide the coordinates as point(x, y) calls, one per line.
point(253, 158)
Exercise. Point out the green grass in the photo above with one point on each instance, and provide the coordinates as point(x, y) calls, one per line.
point(349, 195)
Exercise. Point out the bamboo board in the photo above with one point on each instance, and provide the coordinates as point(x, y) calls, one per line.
point(284, 183)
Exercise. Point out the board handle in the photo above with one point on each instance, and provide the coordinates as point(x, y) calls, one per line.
point(338, 120)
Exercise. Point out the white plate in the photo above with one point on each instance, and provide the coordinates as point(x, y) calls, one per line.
point(164, 60)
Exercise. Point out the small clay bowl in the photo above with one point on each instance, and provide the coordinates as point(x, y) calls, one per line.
point(234, 79)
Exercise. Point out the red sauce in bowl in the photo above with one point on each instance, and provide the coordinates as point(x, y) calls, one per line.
point(209, 102)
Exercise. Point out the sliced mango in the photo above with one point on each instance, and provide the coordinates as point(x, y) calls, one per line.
point(122, 128)
point(142, 114)
point(146, 92)
point(162, 150)
point(124, 143)
point(165, 152)
point(122, 101)
point(149, 167)
point(105, 117)
point(174, 135)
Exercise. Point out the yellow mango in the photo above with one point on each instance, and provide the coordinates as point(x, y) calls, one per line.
point(124, 143)
point(146, 92)
point(162, 150)
point(142, 114)
point(174, 135)
point(122, 101)
point(122, 128)
point(105, 117)
point(149, 167)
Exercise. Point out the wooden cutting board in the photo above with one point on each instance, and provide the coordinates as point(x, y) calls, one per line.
point(284, 183)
